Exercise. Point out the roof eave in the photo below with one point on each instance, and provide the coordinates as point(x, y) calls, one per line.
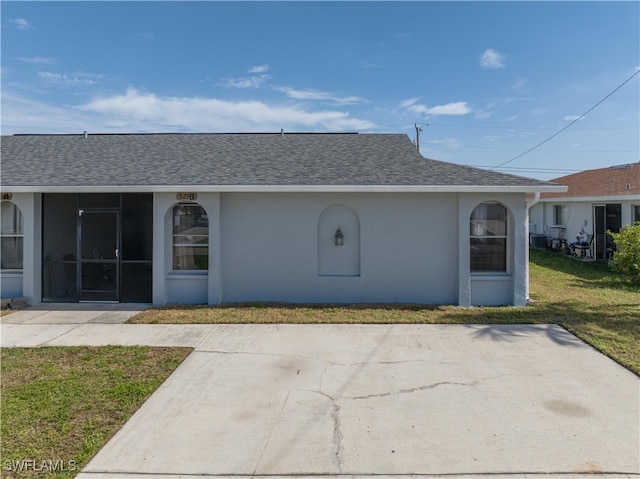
point(591, 199)
point(289, 189)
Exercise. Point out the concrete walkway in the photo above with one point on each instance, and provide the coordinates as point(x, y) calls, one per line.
point(347, 401)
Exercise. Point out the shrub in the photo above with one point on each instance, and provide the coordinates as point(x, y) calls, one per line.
point(626, 259)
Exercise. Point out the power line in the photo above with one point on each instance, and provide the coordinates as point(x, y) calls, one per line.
point(530, 169)
point(547, 149)
point(574, 121)
point(494, 127)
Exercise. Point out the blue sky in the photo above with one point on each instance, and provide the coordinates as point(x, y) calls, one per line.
point(486, 81)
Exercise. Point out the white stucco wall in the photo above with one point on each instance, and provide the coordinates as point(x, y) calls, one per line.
point(175, 286)
point(413, 247)
point(482, 289)
point(578, 214)
point(270, 248)
point(27, 283)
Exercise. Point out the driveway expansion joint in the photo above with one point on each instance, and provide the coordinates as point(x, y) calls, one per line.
point(45, 343)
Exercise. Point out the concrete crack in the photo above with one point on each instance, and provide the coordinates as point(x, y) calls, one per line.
point(59, 335)
point(337, 434)
point(337, 429)
point(410, 391)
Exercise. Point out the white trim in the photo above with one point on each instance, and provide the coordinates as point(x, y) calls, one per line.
point(190, 276)
point(594, 199)
point(289, 189)
point(489, 276)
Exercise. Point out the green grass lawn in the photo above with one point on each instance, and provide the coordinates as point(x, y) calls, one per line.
point(61, 405)
point(587, 298)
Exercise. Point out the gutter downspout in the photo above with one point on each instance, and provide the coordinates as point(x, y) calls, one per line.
point(529, 205)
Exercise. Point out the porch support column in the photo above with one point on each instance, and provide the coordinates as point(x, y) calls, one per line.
point(464, 258)
point(520, 242)
point(215, 250)
point(161, 204)
point(30, 205)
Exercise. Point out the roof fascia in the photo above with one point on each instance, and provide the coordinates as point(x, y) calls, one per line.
point(288, 189)
point(591, 199)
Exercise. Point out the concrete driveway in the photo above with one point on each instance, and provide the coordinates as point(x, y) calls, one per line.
point(373, 400)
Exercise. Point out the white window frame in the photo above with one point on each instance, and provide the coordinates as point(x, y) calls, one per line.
point(506, 237)
point(183, 239)
point(15, 232)
point(558, 215)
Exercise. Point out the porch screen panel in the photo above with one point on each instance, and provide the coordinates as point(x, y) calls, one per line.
point(59, 246)
point(137, 247)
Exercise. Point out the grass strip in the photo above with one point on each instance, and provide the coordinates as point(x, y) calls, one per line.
point(60, 405)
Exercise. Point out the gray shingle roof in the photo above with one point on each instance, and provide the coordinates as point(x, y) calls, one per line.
point(231, 159)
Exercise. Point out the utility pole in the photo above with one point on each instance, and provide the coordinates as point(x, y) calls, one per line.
point(418, 131)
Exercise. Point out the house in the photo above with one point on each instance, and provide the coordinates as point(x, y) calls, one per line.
point(215, 218)
point(597, 201)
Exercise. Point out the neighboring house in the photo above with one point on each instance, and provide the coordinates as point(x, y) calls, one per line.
point(597, 201)
point(213, 218)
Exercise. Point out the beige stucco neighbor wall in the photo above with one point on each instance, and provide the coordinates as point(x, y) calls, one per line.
point(579, 214)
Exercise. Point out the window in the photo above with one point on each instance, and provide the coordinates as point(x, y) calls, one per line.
point(190, 237)
point(636, 213)
point(489, 238)
point(558, 216)
point(11, 237)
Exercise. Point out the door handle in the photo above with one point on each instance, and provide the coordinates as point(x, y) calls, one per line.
point(116, 253)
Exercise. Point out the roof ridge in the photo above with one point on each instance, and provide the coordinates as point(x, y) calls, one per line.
point(202, 133)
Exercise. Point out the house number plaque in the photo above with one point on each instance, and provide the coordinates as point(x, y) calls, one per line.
point(186, 196)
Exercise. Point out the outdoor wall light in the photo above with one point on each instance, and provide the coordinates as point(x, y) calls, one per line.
point(339, 238)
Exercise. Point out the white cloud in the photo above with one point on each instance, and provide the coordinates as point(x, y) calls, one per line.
point(571, 117)
point(319, 95)
point(492, 59)
point(22, 24)
point(137, 110)
point(77, 78)
point(455, 109)
point(247, 82)
point(259, 81)
point(24, 115)
point(410, 101)
point(37, 60)
point(259, 69)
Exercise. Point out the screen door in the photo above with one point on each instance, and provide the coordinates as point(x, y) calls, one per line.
point(99, 263)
